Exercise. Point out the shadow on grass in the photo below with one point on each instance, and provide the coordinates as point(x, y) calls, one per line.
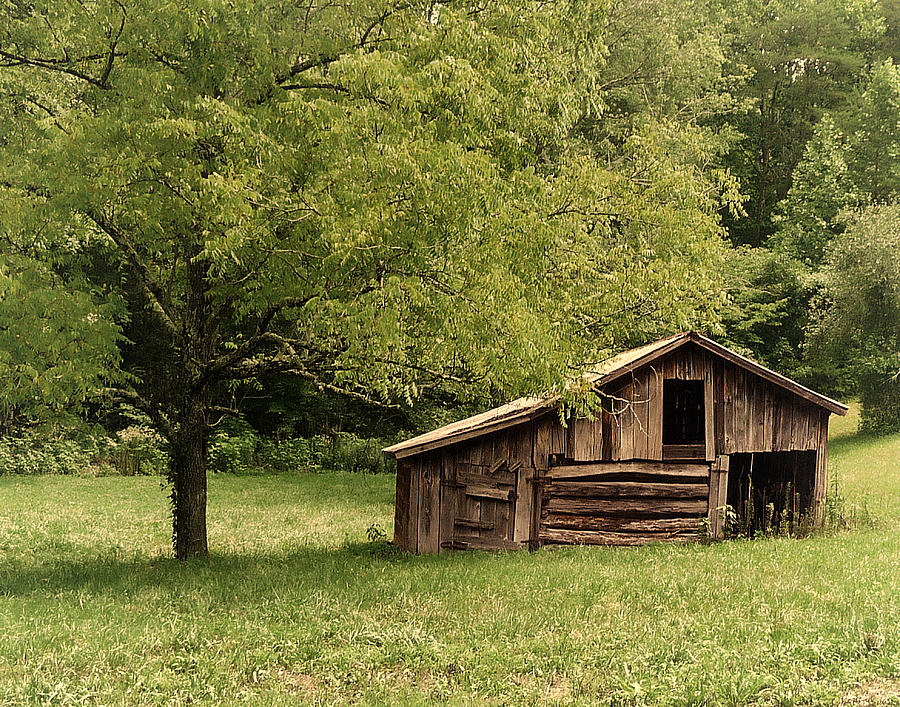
point(227, 574)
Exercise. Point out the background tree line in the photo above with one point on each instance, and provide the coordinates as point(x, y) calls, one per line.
point(375, 216)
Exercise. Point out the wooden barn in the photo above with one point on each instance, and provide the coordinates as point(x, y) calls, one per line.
point(687, 428)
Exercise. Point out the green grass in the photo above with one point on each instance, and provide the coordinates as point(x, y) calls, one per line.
point(296, 606)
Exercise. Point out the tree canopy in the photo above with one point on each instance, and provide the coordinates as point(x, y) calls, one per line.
point(397, 202)
point(379, 197)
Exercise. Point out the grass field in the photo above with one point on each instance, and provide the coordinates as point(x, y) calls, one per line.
point(296, 606)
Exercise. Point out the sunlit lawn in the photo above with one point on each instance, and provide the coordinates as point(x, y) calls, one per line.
point(296, 606)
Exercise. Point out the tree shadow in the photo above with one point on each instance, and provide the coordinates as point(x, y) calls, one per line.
point(229, 575)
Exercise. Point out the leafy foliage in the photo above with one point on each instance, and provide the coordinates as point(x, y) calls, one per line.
point(57, 343)
point(382, 198)
point(858, 325)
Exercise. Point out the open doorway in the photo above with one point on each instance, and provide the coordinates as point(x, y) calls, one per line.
point(772, 492)
point(684, 428)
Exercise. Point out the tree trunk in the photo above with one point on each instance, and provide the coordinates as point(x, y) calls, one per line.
point(188, 477)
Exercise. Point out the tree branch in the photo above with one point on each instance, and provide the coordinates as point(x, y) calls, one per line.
point(107, 69)
point(57, 65)
point(291, 365)
point(152, 411)
point(151, 287)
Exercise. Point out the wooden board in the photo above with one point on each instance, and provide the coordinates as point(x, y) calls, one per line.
point(543, 436)
point(490, 491)
point(402, 508)
point(655, 415)
point(493, 544)
point(585, 440)
point(636, 507)
point(709, 409)
point(429, 511)
point(523, 512)
point(595, 537)
point(482, 477)
point(449, 497)
point(415, 502)
point(718, 497)
point(623, 525)
point(684, 451)
point(626, 489)
point(649, 470)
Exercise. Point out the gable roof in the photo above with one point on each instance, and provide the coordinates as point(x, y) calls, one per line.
point(621, 364)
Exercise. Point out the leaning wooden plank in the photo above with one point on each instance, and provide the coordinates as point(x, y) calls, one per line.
point(502, 478)
point(485, 491)
point(623, 506)
point(473, 523)
point(574, 471)
point(685, 524)
point(626, 489)
point(595, 537)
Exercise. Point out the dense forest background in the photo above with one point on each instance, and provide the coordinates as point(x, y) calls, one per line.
point(243, 231)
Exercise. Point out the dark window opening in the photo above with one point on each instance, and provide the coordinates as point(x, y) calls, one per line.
point(683, 414)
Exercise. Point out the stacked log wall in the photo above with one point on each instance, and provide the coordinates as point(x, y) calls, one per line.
point(623, 503)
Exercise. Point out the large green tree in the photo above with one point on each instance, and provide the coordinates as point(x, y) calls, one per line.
point(800, 60)
point(378, 197)
point(856, 331)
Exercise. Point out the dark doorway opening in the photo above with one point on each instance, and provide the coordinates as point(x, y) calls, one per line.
point(683, 412)
point(772, 492)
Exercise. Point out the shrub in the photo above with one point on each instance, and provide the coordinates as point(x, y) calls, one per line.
point(233, 450)
point(355, 454)
point(139, 449)
point(32, 453)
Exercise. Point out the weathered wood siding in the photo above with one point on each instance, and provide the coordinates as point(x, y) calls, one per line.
point(744, 413)
point(494, 491)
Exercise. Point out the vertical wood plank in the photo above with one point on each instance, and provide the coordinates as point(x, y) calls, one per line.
point(655, 414)
point(769, 418)
point(709, 407)
point(540, 457)
point(448, 497)
point(626, 423)
point(820, 484)
point(719, 385)
point(642, 421)
point(429, 513)
point(728, 408)
point(814, 419)
point(402, 506)
point(523, 510)
point(500, 447)
point(415, 498)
